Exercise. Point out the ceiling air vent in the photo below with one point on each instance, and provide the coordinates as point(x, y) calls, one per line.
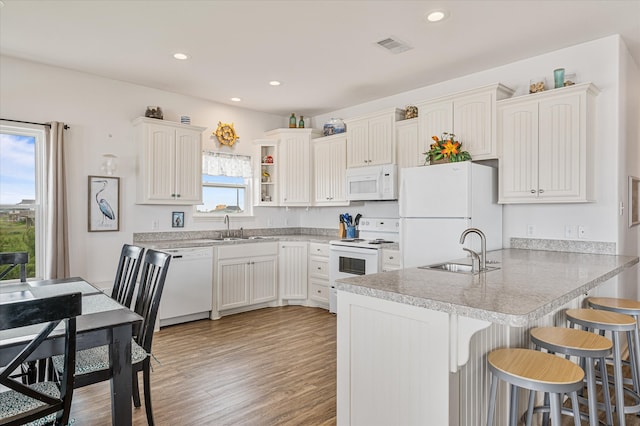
point(393, 45)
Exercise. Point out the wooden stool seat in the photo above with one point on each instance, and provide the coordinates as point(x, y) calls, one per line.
point(589, 347)
point(615, 323)
point(623, 306)
point(535, 371)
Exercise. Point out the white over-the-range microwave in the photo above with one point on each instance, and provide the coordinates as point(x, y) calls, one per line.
point(372, 183)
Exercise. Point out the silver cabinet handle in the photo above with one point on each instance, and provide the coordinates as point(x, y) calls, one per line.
point(533, 191)
point(541, 191)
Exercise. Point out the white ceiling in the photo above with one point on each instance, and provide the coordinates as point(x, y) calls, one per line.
point(324, 52)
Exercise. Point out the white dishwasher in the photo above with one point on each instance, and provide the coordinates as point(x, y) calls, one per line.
point(188, 289)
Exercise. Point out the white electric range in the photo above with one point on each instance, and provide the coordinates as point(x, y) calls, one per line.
point(350, 257)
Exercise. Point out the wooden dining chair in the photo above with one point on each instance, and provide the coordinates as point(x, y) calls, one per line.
point(92, 365)
point(11, 260)
point(124, 284)
point(49, 401)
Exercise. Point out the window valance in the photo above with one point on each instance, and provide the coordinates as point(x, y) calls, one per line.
point(220, 164)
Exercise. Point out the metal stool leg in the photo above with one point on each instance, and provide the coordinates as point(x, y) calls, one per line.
point(513, 406)
point(492, 400)
point(617, 378)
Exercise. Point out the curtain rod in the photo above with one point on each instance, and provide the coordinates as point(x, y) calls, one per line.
point(31, 122)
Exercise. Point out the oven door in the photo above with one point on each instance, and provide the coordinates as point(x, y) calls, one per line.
point(347, 261)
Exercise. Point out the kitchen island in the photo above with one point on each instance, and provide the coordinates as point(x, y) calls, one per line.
point(412, 343)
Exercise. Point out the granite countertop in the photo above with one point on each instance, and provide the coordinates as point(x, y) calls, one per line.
point(208, 242)
point(528, 285)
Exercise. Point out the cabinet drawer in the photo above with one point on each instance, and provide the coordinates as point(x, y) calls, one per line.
point(319, 292)
point(318, 249)
point(247, 250)
point(391, 257)
point(319, 267)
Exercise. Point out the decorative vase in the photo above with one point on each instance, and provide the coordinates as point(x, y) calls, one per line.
point(558, 78)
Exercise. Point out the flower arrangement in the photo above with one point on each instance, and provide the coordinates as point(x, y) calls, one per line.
point(446, 149)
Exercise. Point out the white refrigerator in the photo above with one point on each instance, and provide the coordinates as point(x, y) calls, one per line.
point(440, 201)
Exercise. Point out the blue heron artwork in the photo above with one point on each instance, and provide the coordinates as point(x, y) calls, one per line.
point(104, 203)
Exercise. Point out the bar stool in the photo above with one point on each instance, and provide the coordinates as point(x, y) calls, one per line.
point(594, 319)
point(627, 307)
point(535, 371)
point(585, 345)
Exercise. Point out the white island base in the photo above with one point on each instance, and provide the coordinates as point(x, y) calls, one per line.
point(405, 365)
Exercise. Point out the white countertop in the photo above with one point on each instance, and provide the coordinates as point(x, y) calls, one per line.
point(528, 285)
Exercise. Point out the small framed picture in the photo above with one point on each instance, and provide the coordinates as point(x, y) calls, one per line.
point(177, 220)
point(104, 204)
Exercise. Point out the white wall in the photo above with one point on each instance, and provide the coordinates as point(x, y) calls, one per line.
point(595, 61)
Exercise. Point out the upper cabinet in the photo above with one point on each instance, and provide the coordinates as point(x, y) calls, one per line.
point(266, 173)
point(329, 170)
point(470, 115)
point(410, 149)
point(294, 161)
point(546, 146)
point(370, 139)
point(169, 162)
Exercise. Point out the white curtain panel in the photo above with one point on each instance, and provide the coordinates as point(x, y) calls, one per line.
point(57, 230)
point(220, 164)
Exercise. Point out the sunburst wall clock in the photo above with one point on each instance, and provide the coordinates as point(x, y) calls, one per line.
point(226, 134)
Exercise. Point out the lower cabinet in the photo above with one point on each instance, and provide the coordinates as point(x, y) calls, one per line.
point(319, 273)
point(293, 270)
point(246, 274)
point(390, 260)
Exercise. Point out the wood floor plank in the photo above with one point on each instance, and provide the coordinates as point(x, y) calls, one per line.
point(273, 366)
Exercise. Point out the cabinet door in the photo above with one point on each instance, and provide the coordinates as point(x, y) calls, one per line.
point(409, 149)
point(293, 270)
point(233, 283)
point(358, 143)
point(518, 135)
point(188, 157)
point(159, 156)
point(472, 124)
point(295, 176)
point(561, 156)
point(322, 172)
point(263, 279)
point(381, 140)
point(330, 162)
point(434, 119)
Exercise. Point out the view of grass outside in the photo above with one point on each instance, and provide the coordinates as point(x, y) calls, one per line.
point(17, 198)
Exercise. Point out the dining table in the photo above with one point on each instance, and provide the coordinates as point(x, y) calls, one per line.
point(103, 322)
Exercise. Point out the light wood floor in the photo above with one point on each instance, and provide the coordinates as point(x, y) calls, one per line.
point(274, 366)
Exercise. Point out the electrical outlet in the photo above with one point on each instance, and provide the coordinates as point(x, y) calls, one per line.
point(583, 232)
point(286, 221)
point(269, 222)
point(155, 224)
point(570, 231)
point(531, 230)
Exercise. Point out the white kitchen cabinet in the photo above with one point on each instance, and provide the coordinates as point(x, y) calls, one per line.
point(371, 139)
point(319, 273)
point(410, 149)
point(329, 170)
point(390, 260)
point(546, 143)
point(266, 173)
point(246, 274)
point(169, 162)
point(292, 275)
point(470, 115)
point(294, 165)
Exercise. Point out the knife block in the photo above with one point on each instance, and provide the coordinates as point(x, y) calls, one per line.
point(342, 231)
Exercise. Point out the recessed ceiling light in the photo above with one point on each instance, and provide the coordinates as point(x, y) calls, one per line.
point(236, 99)
point(275, 83)
point(180, 56)
point(436, 15)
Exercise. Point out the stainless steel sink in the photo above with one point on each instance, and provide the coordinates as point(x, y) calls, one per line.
point(459, 268)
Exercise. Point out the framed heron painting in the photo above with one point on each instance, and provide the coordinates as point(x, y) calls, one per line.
point(104, 203)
